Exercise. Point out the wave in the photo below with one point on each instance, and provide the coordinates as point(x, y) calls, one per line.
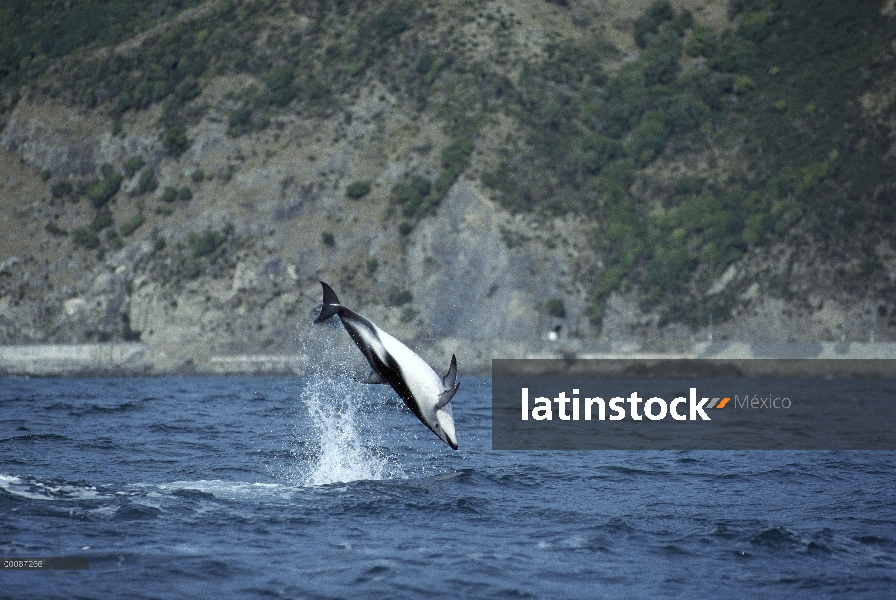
point(34, 489)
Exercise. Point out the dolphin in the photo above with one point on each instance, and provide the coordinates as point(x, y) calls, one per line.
point(393, 363)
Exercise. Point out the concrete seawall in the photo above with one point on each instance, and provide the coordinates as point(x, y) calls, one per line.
point(475, 356)
point(73, 359)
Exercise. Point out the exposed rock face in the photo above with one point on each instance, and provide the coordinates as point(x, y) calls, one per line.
point(454, 275)
point(469, 271)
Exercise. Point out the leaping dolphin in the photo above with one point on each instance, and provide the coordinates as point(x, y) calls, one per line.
point(391, 362)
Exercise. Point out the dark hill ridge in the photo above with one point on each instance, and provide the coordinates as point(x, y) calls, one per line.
point(463, 169)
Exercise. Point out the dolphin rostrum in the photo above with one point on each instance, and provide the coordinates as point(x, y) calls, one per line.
point(425, 393)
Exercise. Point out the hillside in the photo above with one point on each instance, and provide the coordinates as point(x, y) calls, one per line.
point(460, 169)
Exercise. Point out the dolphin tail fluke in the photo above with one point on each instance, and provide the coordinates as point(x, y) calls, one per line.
point(330, 306)
point(451, 375)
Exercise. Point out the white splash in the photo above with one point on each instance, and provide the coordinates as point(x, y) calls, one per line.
point(342, 426)
point(339, 443)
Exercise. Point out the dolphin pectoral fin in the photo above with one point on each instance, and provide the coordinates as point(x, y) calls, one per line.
point(446, 396)
point(451, 375)
point(374, 378)
point(330, 305)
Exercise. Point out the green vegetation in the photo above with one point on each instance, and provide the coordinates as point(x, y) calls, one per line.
point(704, 147)
point(131, 225)
point(398, 297)
point(55, 230)
point(591, 136)
point(357, 189)
point(208, 243)
point(100, 193)
point(555, 308)
point(184, 194)
point(61, 189)
point(101, 221)
point(412, 195)
point(169, 194)
point(29, 40)
point(147, 182)
point(175, 140)
point(85, 238)
point(132, 165)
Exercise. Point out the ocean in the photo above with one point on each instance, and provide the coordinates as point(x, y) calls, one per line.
point(320, 487)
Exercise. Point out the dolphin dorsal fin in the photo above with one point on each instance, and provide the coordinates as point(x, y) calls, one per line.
point(451, 375)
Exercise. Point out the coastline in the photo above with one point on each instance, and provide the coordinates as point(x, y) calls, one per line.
point(141, 359)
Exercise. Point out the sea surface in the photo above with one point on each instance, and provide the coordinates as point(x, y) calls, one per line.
point(321, 487)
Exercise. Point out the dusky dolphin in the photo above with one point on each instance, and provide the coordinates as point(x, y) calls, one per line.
point(391, 362)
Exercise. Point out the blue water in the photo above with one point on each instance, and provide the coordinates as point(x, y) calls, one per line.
point(325, 488)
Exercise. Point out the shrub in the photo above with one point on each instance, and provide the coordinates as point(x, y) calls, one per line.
point(357, 189)
point(46, 174)
point(649, 23)
point(83, 237)
point(205, 243)
point(113, 240)
point(327, 238)
point(101, 192)
point(131, 225)
point(733, 53)
point(405, 228)
point(457, 152)
point(184, 194)
point(55, 230)
point(101, 221)
point(648, 138)
point(132, 165)
point(108, 171)
point(189, 89)
point(400, 297)
point(743, 84)
point(238, 121)
point(197, 176)
point(169, 194)
point(754, 26)
point(702, 41)
point(61, 189)
point(175, 140)
point(147, 182)
point(388, 24)
point(555, 308)
point(280, 88)
point(412, 194)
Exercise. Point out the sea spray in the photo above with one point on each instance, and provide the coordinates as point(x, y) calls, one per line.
point(339, 435)
point(342, 424)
